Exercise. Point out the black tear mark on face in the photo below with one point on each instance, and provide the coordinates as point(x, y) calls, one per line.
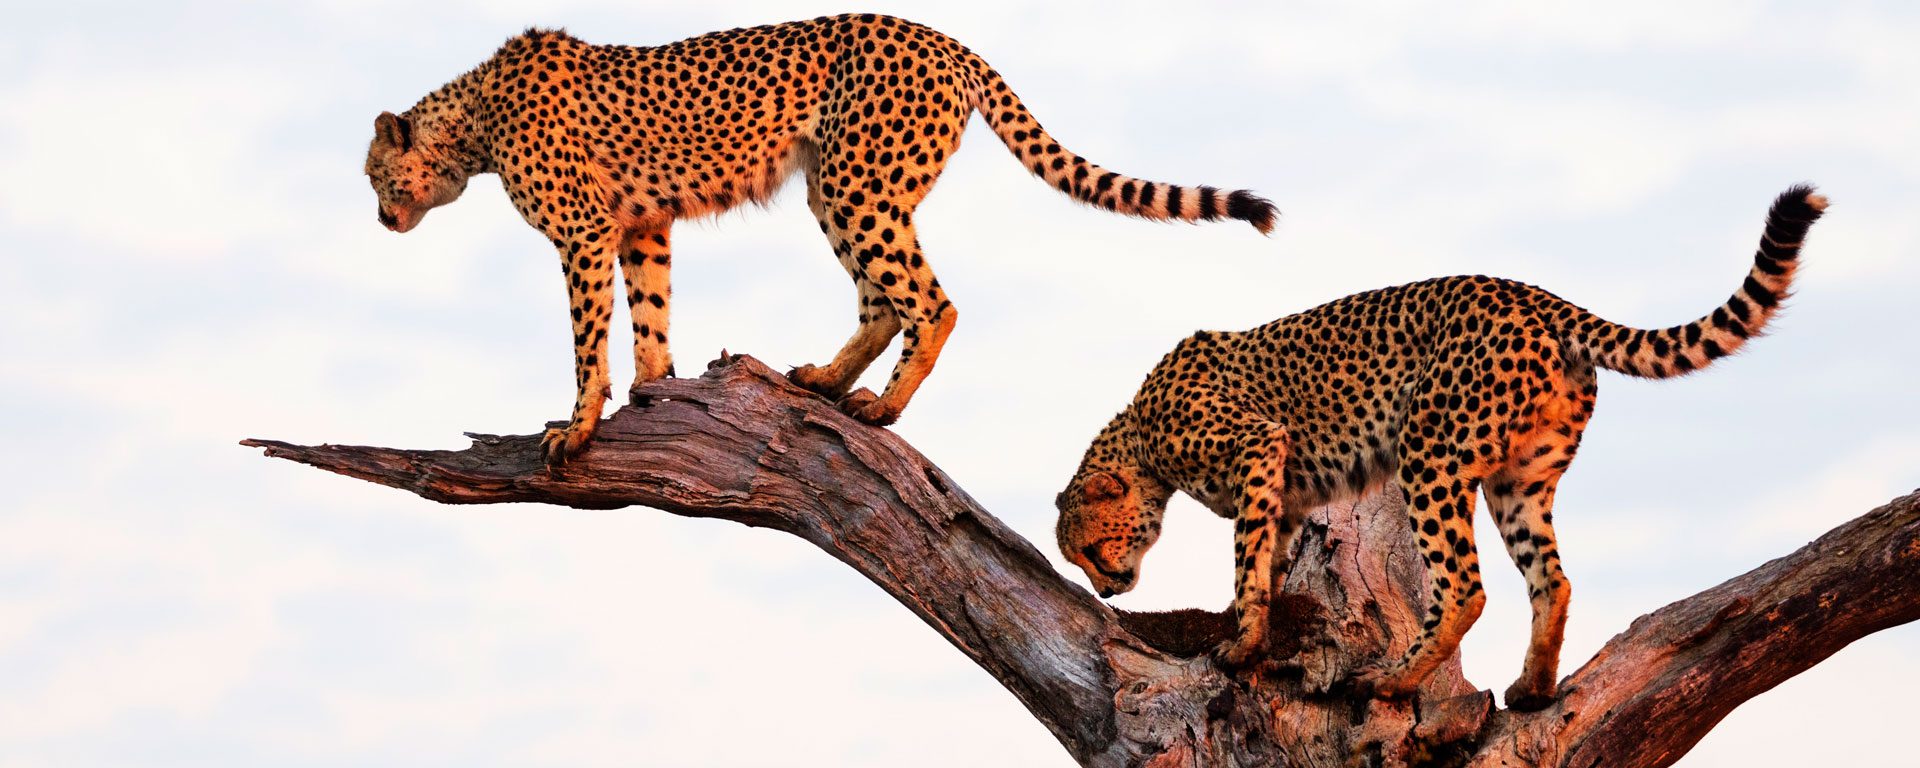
point(1092, 552)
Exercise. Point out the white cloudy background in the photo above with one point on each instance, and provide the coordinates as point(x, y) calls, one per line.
point(190, 257)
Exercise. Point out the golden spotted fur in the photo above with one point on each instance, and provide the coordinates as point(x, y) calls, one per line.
point(1452, 387)
point(603, 147)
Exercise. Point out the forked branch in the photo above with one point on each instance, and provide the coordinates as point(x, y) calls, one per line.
point(740, 443)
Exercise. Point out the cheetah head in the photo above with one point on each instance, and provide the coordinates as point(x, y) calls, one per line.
point(1108, 521)
point(410, 173)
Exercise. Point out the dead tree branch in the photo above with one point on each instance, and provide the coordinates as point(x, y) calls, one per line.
point(741, 444)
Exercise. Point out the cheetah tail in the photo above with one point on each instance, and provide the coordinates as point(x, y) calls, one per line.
point(1092, 184)
point(1682, 349)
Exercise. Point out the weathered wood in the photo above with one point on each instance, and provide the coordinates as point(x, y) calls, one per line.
point(1685, 666)
point(740, 443)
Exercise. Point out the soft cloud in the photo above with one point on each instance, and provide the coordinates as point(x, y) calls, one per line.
point(162, 162)
point(1859, 479)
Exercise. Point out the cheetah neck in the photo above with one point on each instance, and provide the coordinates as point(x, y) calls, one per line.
point(1113, 449)
point(1117, 450)
point(447, 122)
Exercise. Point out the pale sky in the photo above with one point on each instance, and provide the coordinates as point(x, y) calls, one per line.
point(191, 257)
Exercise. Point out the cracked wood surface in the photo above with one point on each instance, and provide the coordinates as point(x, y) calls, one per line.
point(740, 443)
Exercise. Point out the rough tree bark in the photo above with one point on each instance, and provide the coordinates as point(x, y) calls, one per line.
point(741, 444)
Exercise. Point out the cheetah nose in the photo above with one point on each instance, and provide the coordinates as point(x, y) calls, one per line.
point(1105, 592)
point(388, 220)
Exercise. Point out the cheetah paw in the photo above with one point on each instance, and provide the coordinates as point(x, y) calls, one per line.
point(638, 399)
point(1383, 680)
point(1240, 652)
point(814, 379)
point(1526, 696)
point(864, 405)
point(562, 443)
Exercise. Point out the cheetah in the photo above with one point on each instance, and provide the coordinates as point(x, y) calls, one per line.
point(603, 147)
point(1452, 386)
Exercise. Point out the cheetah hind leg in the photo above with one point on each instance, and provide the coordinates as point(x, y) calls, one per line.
point(1453, 570)
point(925, 317)
point(645, 264)
point(878, 322)
point(1522, 505)
point(898, 295)
point(878, 325)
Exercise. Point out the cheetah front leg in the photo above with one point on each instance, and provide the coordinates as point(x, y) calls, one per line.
point(646, 265)
point(587, 258)
point(1263, 533)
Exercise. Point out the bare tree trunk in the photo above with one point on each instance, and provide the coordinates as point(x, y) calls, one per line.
point(740, 443)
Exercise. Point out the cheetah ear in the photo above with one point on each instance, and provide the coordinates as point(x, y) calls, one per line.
point(393, 130)
point(1104, 486)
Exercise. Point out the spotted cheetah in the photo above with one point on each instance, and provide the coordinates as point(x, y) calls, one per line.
point(603, 147)
point(1452, 386)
